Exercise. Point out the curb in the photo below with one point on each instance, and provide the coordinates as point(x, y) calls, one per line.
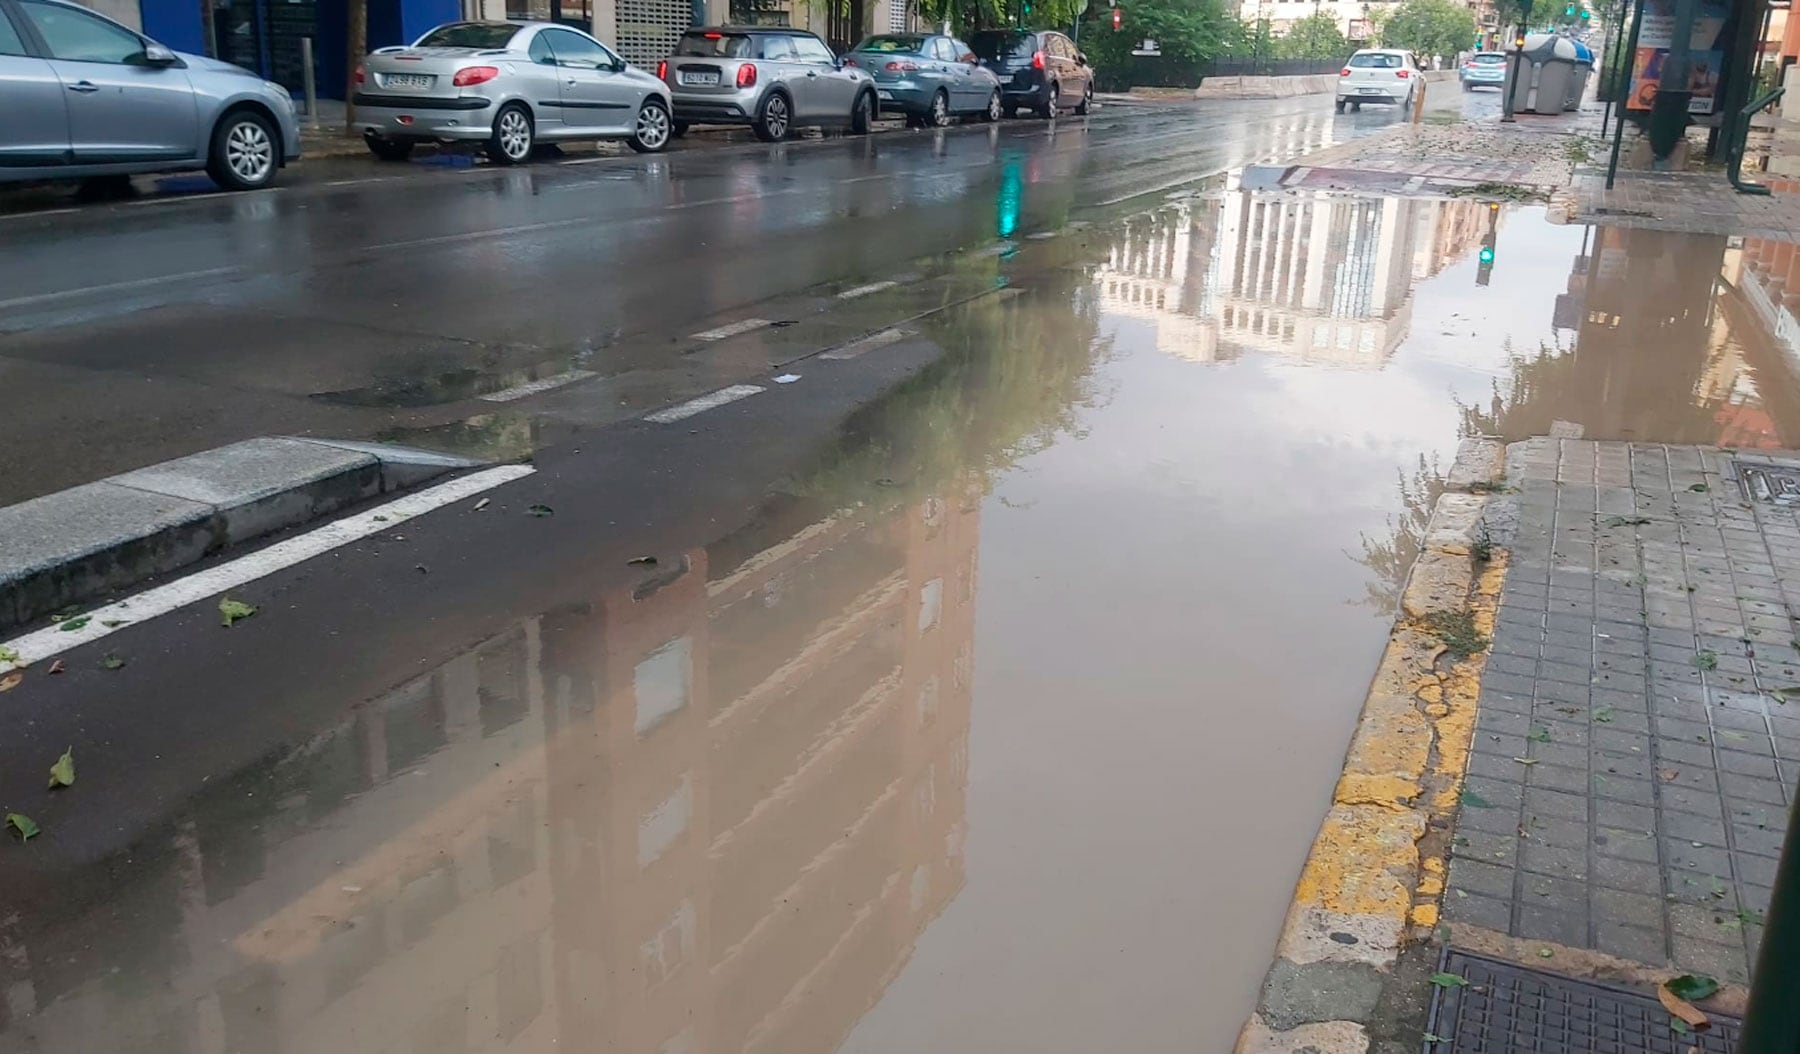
point(70, 546)
point(1375, 874)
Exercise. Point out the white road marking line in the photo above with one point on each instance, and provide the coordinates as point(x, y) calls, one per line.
point(39, 212)
point(543, 384)
point(117, 287)
point(358, 180)
point(44, 643)
point(737, 198)
point(592, 160)
point(683, 411)
point(730, 329)
point(867, 344)
point(865, 290)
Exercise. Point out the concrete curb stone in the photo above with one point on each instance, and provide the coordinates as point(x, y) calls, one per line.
point(1372, 882)
point(67, 547)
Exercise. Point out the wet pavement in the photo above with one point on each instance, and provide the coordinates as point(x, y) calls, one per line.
point(990, 678)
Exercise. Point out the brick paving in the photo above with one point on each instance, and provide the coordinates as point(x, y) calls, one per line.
point(1633, 757)
point(1692, 202)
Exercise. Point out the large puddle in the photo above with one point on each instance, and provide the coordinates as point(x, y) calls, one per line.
point(1004, 727)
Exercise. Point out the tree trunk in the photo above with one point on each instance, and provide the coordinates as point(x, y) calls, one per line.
point(356, 44)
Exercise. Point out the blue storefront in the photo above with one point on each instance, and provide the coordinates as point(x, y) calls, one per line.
point(265, 35)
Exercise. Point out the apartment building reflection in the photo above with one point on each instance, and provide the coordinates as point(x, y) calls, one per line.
point(710, 812)
point(1316, 277)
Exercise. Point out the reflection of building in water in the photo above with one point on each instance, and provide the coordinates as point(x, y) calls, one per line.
point(1320, 278)
point(709, 813)
point(1678, 340)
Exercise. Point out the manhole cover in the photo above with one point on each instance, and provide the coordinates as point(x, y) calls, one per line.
point(1767, 482)
point(1506, 1009)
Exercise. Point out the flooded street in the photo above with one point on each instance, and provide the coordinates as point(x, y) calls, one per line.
point(1001, 719)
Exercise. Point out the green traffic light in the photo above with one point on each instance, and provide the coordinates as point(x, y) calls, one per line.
point(1487, 255)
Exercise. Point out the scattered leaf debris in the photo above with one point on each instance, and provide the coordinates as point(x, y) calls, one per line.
point(231, 611)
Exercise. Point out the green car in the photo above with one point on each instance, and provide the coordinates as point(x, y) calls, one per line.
point(929, 77)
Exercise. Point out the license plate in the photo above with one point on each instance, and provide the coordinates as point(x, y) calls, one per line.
point(701, 79)
point(407, 80)
point(1370, 91)
point(1005, 78)
point(888, 95)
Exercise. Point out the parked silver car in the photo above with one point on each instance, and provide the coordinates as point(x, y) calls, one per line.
point(510, 85)
point(81, 95)
point(774, 80)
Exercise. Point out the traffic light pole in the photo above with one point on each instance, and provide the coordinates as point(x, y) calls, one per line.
point(1772, 1020)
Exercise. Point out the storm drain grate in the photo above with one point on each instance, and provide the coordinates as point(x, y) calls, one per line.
point(1769, 481)
point(1507, 1009)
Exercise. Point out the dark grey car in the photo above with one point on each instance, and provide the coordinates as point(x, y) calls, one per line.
point(81, 95)
point(1041, 71)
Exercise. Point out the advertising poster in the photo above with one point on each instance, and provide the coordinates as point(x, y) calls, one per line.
point(1705, 58)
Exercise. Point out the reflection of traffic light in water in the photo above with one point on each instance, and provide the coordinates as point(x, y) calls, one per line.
point(1485, 259)
point(1012, 197)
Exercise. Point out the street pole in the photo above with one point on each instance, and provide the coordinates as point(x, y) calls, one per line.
point(1612, 164)
point(1669, 110)
point(307, 80)
point(1772, 1020)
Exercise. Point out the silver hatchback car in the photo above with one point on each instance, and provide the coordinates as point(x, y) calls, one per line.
point(773, 80)
point(81, 96)
point(510, 85)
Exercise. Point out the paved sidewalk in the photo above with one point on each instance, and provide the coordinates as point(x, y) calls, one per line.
point(1692, 202)
point(1633, 752)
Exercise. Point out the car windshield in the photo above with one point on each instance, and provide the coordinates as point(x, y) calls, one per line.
point(891, 44)
point(714, 45)
point(1488, 60)
point(1002, 45)
point(1375, 60)
point(486, 35)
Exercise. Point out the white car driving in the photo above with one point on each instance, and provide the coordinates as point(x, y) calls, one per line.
point(1388, 76)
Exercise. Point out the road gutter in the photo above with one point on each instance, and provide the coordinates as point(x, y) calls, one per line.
point(1374, 878)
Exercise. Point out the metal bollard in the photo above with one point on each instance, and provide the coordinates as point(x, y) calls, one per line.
point(306, 79)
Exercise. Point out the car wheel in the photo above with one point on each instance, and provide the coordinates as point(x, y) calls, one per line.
point(1356, 107)
point(939, 114)
point(244, 153)
point(1087, 100)
point(652, 131)
point(1340, 106)
point(863, 115)
point(992, 113)
point(1047, 108)
point(773, 115)
point(513, 136)
point(1467, 86)
point(1010, 110)
point(389, 149)
point(678, 129)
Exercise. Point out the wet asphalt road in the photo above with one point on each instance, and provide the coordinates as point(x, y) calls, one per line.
point(371, 301)
point(943, 719)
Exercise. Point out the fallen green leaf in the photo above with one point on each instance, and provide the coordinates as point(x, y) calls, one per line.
point(24, 825)
point(1698, 488)
point(1691, 986)
point(1678, 1026)
point(1604, 715)
point(1545, 953)
point(70, 625)
point(112, 662)
point(7, 655)
point(112, 623)
point(231, 610)
point(62, 774)
point(1539, 734)
point(1432, 1037)
point(1473, 800)
point(1449, 980)
point(1706, 660)
point(540, 510)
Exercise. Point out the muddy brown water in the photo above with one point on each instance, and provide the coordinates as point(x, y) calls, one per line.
point(1005, 728)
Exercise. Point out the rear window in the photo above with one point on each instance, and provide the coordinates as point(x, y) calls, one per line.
point(1003, 45)
point(1488, 60)
point(1376, 60)
point(891, 44)
point(486, 35)
point(715, 45)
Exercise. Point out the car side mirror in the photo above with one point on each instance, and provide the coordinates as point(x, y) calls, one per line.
point(1081, 57)
point(157, 55)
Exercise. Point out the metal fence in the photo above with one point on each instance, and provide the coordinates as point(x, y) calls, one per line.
point(1157, 72)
